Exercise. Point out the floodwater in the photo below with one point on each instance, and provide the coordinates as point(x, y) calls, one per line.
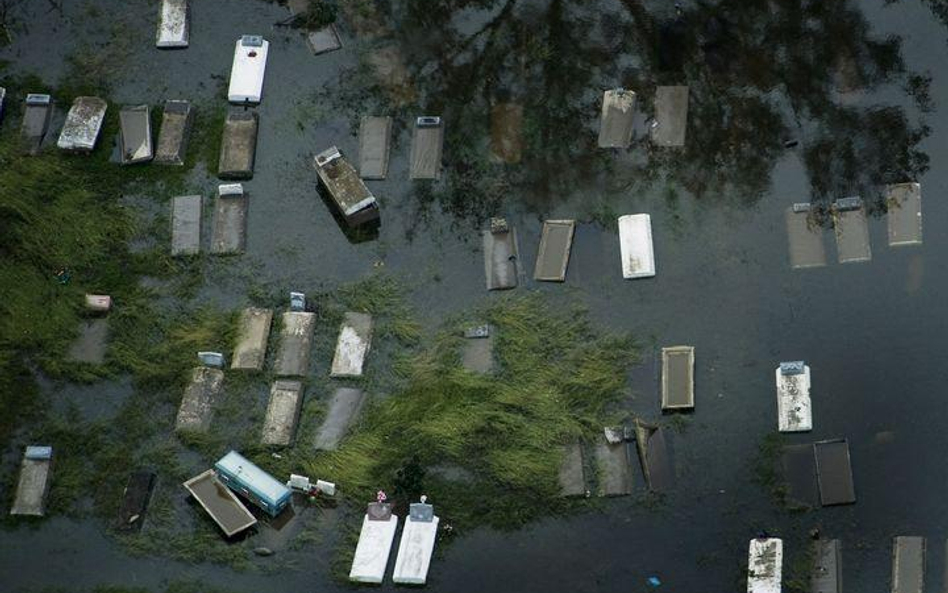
point(790, 101)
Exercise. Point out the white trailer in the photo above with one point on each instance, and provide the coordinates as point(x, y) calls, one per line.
point(635, 245)
point(246, 73)
point(794, 409)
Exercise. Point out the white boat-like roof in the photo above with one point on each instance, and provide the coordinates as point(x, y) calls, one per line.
point(765, 565)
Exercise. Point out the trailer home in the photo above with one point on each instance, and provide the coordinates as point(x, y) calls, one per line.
point(240, 475)
point(248, 69)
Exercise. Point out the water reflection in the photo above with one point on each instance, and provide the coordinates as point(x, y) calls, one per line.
point(764, 77)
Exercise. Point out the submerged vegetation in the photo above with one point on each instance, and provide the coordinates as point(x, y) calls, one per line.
point(487, 448)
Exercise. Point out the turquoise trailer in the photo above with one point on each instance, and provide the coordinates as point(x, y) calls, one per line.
point(243, 477)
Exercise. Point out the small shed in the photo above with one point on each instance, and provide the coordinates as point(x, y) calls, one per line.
point(248, 69)
point(83, 124)
point(556, 241)
point(135, 135)
point(355, 339)
point(252, 337)
point(283, 412)
point(344, 407)
point(852, 231)
point(296, 340)
point(375, 544)
point(427, 143)
point(417, 545)
point(37, 111)
point(33, 485)
point(805, 235)
point(352, 199)
point(904, 204)
point(678, 383)
point(765, 565)
point(186, 212)
point(238, 145)
point(618, 119)
point(220, 503)
point(230, 220)
point(197, 404)
point(244, 477)
point(635, 246)
point(173, 24)
point(173, 135)
point(671, 116)
point(375, 137)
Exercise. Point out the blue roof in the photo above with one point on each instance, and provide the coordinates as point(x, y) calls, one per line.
point(263, 484)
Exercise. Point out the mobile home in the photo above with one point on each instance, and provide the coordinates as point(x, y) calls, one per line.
point(248, 69)
point(635, 246)
point(83, 123)
point(348, 192)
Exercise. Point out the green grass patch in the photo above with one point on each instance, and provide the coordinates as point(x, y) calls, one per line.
point(502, 434)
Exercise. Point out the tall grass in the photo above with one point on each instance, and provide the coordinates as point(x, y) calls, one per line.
point(557, 376)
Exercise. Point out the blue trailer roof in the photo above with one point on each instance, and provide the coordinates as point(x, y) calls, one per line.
point(260, 482)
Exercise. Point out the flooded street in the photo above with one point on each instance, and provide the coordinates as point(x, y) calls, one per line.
point(790, 102)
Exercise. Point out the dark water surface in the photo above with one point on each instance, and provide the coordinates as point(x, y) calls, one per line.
point(842, 80)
